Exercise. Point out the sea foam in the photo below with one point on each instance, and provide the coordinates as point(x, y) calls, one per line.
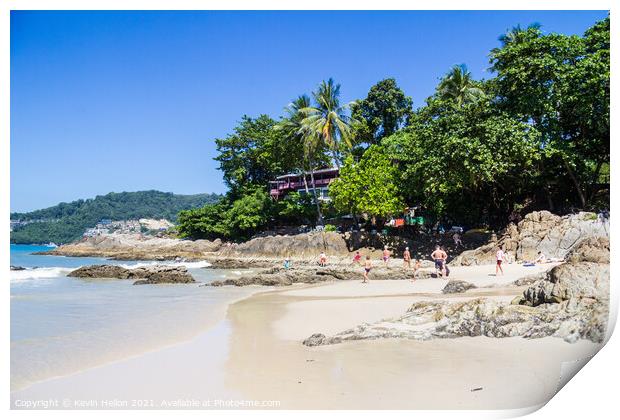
point(187, 264)
point(29, 274)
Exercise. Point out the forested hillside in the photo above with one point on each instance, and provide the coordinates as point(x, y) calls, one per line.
point(66, 222)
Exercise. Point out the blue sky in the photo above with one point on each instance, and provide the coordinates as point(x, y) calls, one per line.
point(127, 101)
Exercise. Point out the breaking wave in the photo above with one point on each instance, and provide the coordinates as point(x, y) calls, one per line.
point(29, 274)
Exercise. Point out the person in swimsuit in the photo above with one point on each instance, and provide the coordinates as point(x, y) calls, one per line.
point(367, 268)
point(386, 255)
point(357, 259)
point(322, 259)
point(407, 258)
point(499, 257)
point(437, 256)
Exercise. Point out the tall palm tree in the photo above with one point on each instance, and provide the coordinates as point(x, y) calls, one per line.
point(328, 120)
point(297, 132)
point(459, 86)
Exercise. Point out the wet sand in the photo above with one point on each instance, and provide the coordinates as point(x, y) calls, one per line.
point(256, 353)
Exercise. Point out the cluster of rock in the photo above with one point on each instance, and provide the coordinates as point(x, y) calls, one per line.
point(135, 247)
point(571, 302)
point(543, 231)
point(313, 274)
point(303, 245)
point(155, 274)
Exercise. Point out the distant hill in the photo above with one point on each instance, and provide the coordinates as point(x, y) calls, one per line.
point(66, 222)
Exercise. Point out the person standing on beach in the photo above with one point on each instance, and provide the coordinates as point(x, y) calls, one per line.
point(406, 258)
point(437, 256)
point(386, 255)
point(500, 256)
point(367, 268)
point(322, 259)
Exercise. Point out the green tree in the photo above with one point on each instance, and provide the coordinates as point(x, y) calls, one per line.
point(328, 121)
point(248, 214)
point(312, 145)
point(255, 153)
point(204, 223)
point(459, 86)
point(368, 186)
point(385, 110)
point(559, 84)
point(468, 163)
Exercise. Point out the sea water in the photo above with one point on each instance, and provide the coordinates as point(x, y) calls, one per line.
point(61, 325)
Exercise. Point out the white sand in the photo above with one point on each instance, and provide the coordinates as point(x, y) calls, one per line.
point(256, 353)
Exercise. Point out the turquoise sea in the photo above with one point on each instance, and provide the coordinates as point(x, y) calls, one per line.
point(61, 325)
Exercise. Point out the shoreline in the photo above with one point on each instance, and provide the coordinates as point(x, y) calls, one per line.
point(219, 311)
point(254, 351)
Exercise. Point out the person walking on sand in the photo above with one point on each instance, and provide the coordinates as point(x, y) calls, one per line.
point(406, 258)
point(367, 268)
point(322, 259)
point(500, 256)
point(386, 255)
point(437, 256)
point(357, 259)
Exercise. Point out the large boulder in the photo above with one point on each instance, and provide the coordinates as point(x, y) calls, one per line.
point(143, 275)
point(103, 271)
point(553, 235)
point(303, 245)
point(585, 275)
point(457, 286)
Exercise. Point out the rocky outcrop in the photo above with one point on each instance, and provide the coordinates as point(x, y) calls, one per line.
point(570, 320)
point(584, 276)
point(136, 247)
point(17, 268)
point(313, 274)
point(457, 286)
point(303, 245)
point(571, 302)
point(543, 231)
point(144, 275)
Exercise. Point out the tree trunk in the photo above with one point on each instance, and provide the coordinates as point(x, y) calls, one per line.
point(304, 173)
point(572, 176)
point(594, 184)
point(546, 186)
point(316, 200)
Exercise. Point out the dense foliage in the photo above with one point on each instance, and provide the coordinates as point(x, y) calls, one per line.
point(369, 186)
point(478, 152)
point(66, 222)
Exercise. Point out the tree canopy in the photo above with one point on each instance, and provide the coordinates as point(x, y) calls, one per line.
point(384, 111)
point(534, 135)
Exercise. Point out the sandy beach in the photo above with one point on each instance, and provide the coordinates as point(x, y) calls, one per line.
point(255, 353)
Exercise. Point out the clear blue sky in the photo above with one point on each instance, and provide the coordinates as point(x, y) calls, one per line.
point(127, 101)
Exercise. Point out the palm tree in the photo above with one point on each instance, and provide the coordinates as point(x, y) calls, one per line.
point(328, 121)
point(515, 34)
point(459, 86)
point(297, 132)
